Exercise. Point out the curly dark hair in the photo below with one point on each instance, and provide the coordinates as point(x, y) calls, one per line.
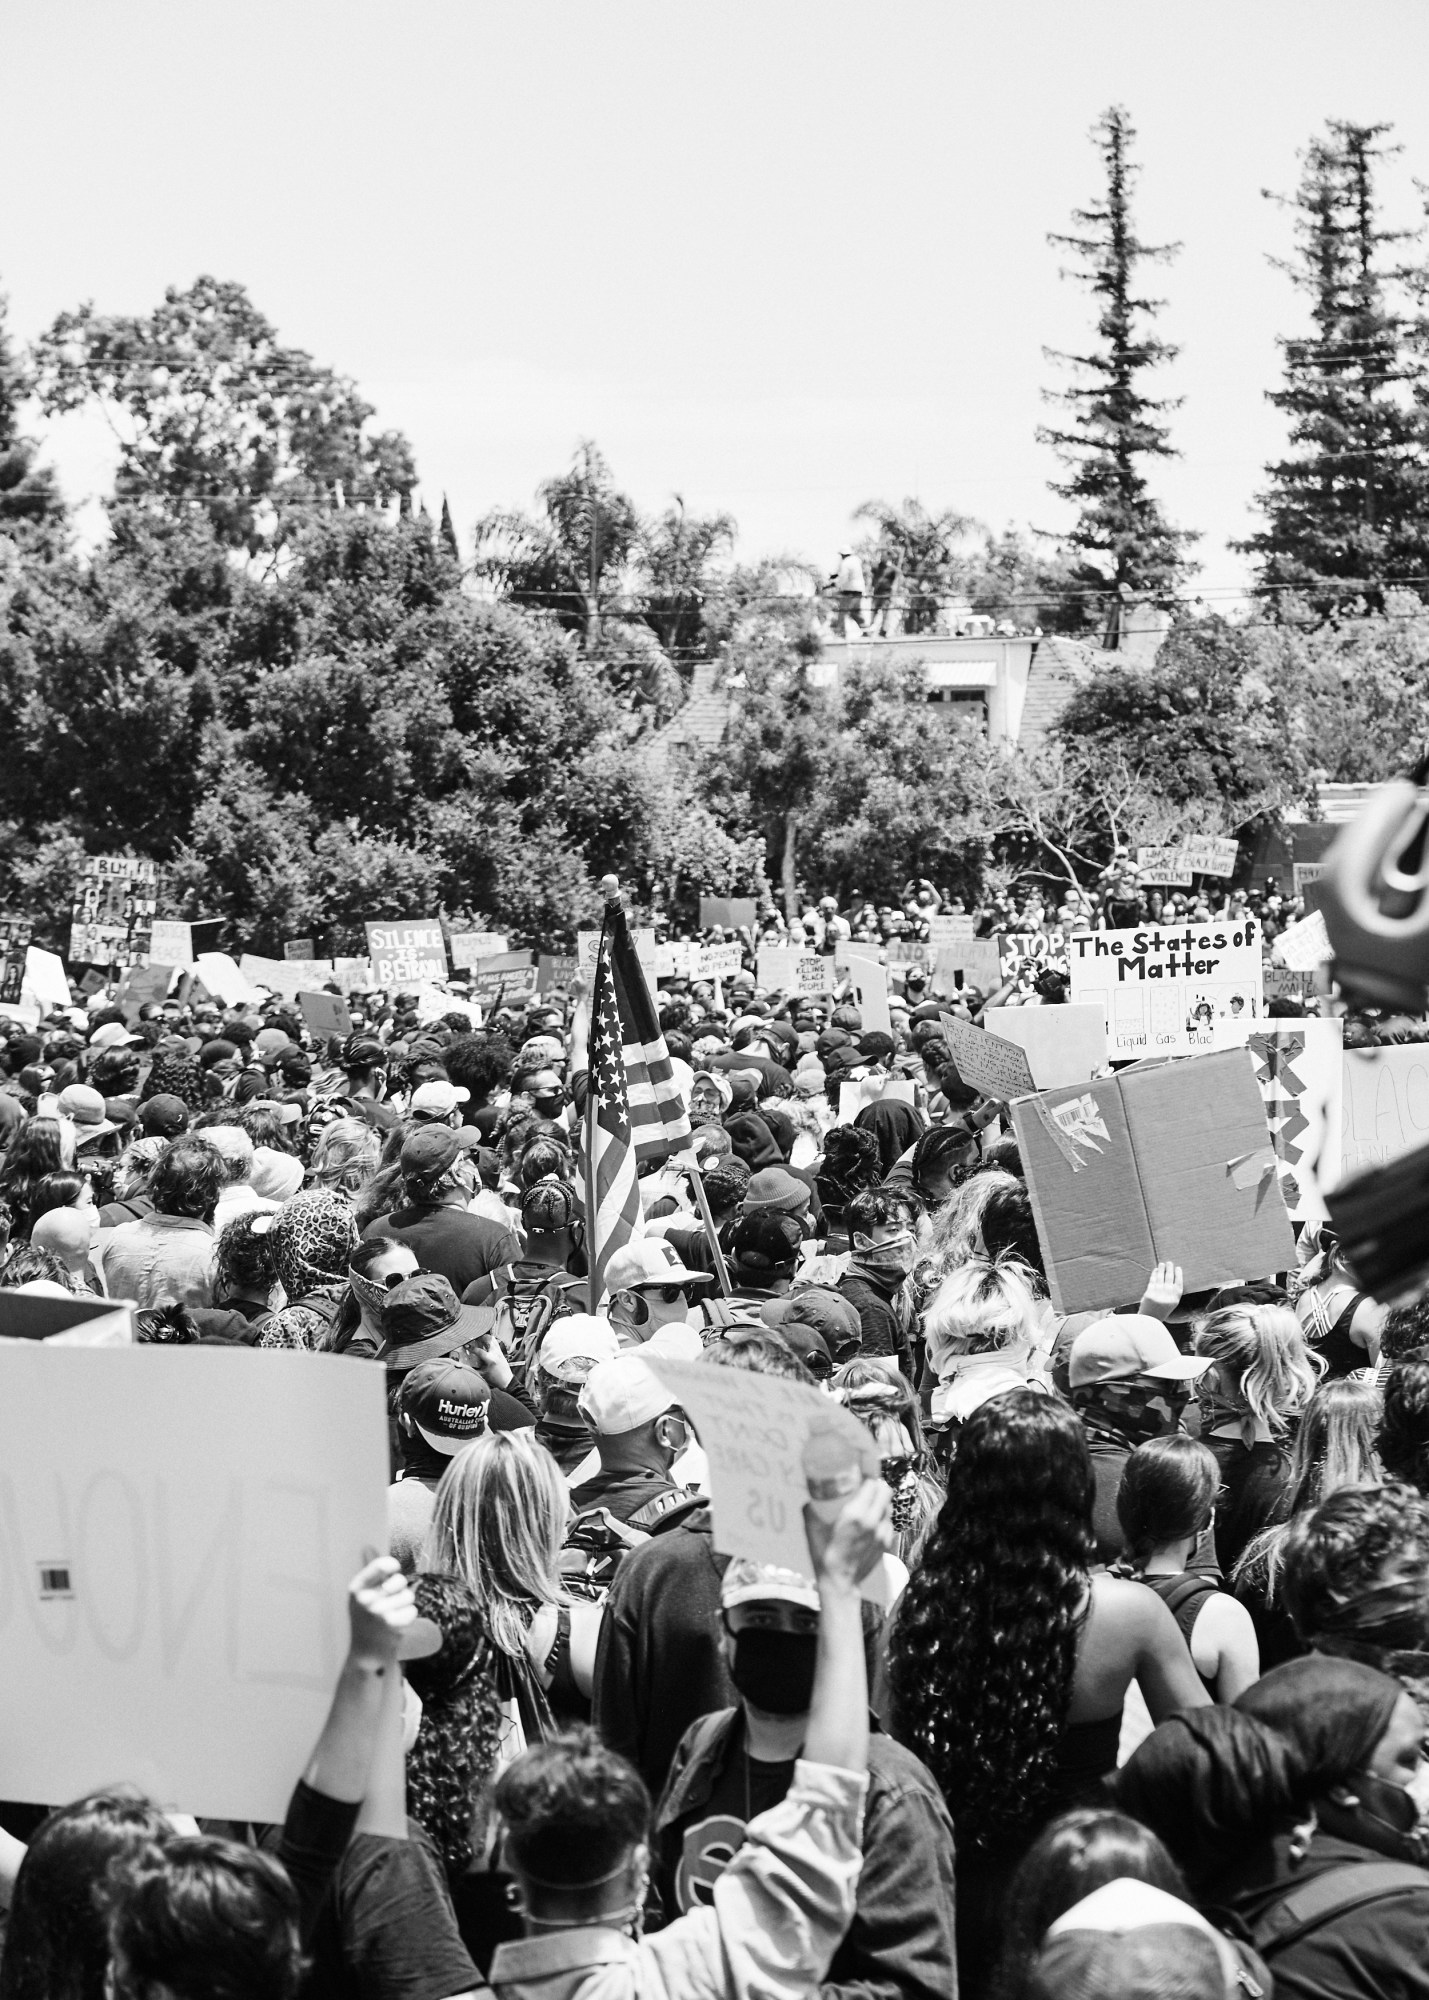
point(981, 1659)
point(1404, 1421)
point(453, 1760)
point(1405, 1328)
point(479, 1065)
point(1357, 1569)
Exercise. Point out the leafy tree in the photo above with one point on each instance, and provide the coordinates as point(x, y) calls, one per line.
point(1128, 549)
point(1348, 502)
point(916, 557)
point(677, 553)
point(214, 414)
point(29, 496)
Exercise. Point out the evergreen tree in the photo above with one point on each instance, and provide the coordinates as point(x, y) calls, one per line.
point(448, 531)
point(1129, 550)
point(28, 493)
point(1346, 505)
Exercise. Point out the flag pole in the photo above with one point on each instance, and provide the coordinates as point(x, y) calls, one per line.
point(697, 1185)
point(611, 889)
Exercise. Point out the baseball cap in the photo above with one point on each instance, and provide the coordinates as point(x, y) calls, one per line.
point(650, 1260)
point(1138, 1942)
point(447, 1401)
point(85, 1108)
point(776, 1188)
point(269, 1043)
point(574, 1345)
point(164, 1116)
point(429, 1152)
point(766, 1240)
point(676, 1341)
point(1113, 1350)
point(112, 1035)
point(809, 1345)
point(747, 1582)
point(622, 1394)
point(828, 1312)
point(423, 1319)
point(437, 1099)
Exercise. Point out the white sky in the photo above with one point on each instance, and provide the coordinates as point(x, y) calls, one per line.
point(780, 256)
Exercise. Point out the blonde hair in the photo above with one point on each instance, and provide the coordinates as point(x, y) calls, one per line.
point(1263, 1347)
point(981, 1307)
point(345, 1156)
point(1334, 1448)
point(957, 1232)
point(499, 1523)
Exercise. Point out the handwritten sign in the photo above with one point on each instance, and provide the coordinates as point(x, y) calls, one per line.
point(469, 947)
point(287, 977)
point(353, 975)
point(185, 1558)
point(1171, 989)
point(754, 1430)
point(870, 992)
point(1166, 866)
point(588, 949)
point(1299, 1066)
point(949, 930)
point(1025, 955)
point(171, 944)
point(407, 954)
point(554, 972)
point(986, 1063)
point(1209, 855)
point(1386, 1104)
point(223, 979)
point(720, 961)
point(44, 980)
point(509, 976)
point(727, 913)
point(1305, 945)
point(976, 961)
point(1306, 872)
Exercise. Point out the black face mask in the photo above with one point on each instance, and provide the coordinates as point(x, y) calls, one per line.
point(550, 1107)
point(774, 1671)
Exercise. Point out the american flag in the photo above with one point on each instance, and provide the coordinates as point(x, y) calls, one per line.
point(636, 1112)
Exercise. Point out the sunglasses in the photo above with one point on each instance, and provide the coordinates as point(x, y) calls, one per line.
point(668, 1295)
point(896, 1470)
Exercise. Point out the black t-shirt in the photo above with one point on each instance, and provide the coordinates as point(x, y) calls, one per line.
point(710, 1837)
point(462, 1246)
point(1252, 1493)
point(387, 1930)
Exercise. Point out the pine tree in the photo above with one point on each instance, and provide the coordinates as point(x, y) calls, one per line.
point(447, 531)
point(29, 496)
point(1128, 548)
point(1346, 505)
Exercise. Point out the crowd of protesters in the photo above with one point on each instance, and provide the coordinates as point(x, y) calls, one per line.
point(1143, 1714)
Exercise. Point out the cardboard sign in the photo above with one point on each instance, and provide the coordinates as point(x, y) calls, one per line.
point(1305, 945)
point(287, 977)
point(997, 1069)
point(1306, 872)
point(353, 975)
point(1170, 989)
point(1171, 1162)
point(755, 1430)
point(1024, 956)
point(720, 961)
point(728, 913)
point(325, 1014)
point(173, 1583)
point(171, 944)
point(870, 993)
point(1299, 1066)
point(300, 948)
point(588, 950)
point(1207, 855)
point(144, 986)
point(973, 961)
point(66, 1322)
point(44, 979)
point(554, 972)
point(1063, 1044)
point(506, 977)
point(223, 979)
point(1282, 984)
point(1167, 867)
point(949, 930)
point(1386, 1104)
point(469, 947)
point(15, 935)
point(113, 910)
point(787, 969)
point(407, 954)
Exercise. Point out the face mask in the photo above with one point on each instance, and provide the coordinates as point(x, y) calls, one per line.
point(895, 1259)
point(369, 1294)
point(550, 1107)
point(774, 1671)
point(1394, 1810)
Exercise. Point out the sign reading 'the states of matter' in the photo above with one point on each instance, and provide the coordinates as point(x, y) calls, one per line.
point(1171, 990)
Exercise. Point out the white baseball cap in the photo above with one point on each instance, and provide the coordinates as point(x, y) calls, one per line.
point(650, 1260)
point(622, 1394)
point(575, 1344)
point(437, 1099)
point(748, 1582)
point(112, 1035)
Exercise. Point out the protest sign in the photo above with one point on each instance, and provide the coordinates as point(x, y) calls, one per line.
point(1299, 1066)
point(949, 930)
point(173, 1583)
point(1167, 867)
point(325, 1014)
point(1023, 956)
point(1283, 984)
point(113, 910)
point(92, 981)
point(301, 948)
point(15, 935)
point(865, 1090)
point(814, 974)
point(1063, 1044)
point(1173, 1162)
point(987, 1063)
point(728, 913)
point(223, 979)
point(554, 972)
point(1308, 872)
point(44, 979)
point(287, 977)
point(407, 954)
point(1386, 1104)
point(976, 961)
point(144, 986)
point(74, 1321)
point(909, 952)
point(171, 944)
point(1305, 945)
point(775, 967)
point(1208, 855)
point(588, 949)
point(353, 975)
point(470, 946)
point(1170, 989)
point(720, 961)
point(756, 1431)
point(870, 993)
point(505, 976)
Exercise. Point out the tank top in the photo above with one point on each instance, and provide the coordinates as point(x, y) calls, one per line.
point(1185, 1598)
point(1331, 1338)
point(568, 1704)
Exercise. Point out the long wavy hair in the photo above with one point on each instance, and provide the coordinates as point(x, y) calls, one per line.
point(1334, 1448)
point(499, 1523)
point(1264, 1349)
point(983, 1653)
point(452, 1765)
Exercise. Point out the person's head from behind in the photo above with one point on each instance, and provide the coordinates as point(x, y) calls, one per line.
point(1263, 1373)
point(575, 1826)
point(957, 1233)
point(634, 1418)
point(1077, 1853)
point(67, 1233)
point(770, 1636)
point(982, 1308)
point(62, 1190)
point(548, 1207)
point(1334, 1444)
point(942, 1157)
point(756, 1350)
point(245, 1265)
point(187, 1180)
point(499, 1522)
point(198, 1918)
point(234, 1147)
point(764, 1248)
point(1131, 1940)
point(57, 1940)
point(1167, 1495)
point(1357, 1570)
point(1405, 1328)
point(345, 1156)
point(1404, 1422)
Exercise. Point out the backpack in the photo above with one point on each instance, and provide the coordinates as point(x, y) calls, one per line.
point(527, 1307)
point(597, 1542)
point(1304, 1909)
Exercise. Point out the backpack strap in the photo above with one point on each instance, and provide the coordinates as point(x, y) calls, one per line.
point(1339, 1890)
point(666, 1510)
point(1194, 1584)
